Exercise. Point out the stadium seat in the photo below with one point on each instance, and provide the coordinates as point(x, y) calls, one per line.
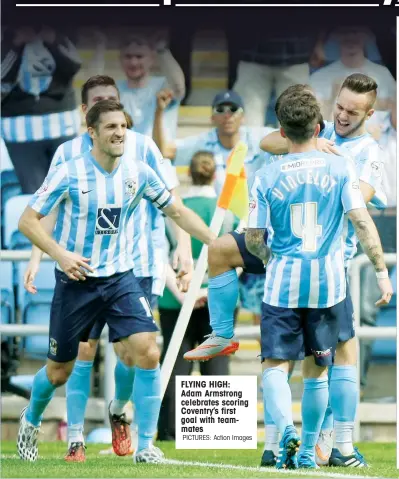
point(7, 292)
point(9, 188)
point(13, 210)
point(35, 308)
point(385, 350)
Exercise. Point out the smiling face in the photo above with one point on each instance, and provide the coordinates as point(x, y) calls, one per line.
point(137, 60)
point(109, 134)
point(351, 111)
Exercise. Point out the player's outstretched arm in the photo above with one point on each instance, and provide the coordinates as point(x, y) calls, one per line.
point(255, 242)
point(368, 236)
point(48, 223)
point(274, 143)
point(72, 264)
point(189, 222)
point(183, 257)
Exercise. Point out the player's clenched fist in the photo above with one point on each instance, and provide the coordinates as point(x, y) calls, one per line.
point(74, 265)
point(164, 97)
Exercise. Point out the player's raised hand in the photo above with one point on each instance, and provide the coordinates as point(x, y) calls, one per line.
point(327, 146)
point(164, 97)
point(386, 289)
point(29, 277)
point(74, 265)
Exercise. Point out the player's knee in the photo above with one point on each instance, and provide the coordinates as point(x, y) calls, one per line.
point(222, 254)
point(149, 357)
point(87, 351)
point(346, 353)
point(128, 360)
point(58, 373)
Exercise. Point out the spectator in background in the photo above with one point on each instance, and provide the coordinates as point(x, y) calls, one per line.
point(327, 81)
point(139, 90)
point(387, 139)
point(39, 110)
point(228, 119)
point(272, 61)
point(200, 197)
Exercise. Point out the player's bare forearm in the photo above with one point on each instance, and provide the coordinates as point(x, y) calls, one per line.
point(190, 222)
point(31, 226)
point(48, 223)
point(274, 143)
point(368, 237)
point(255, 242)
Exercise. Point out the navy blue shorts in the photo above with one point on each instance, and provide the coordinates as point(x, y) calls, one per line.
point(252, 264)
point(292, 334)
point(146, 286)
point(78, 304)
point(346, 318)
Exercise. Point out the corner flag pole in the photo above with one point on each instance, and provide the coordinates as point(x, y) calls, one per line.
point(234, 168)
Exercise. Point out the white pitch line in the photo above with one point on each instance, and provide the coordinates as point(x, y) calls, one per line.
point(296, 472)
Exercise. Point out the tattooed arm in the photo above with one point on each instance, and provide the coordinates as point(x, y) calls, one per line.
point(255, 242)
point(370, 241)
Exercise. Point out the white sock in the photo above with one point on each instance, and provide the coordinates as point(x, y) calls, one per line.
point(75, 434)
point(117, 407)
point(271, 438)
point(344, 437)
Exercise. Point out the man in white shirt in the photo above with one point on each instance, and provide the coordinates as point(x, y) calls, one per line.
point(327, 81)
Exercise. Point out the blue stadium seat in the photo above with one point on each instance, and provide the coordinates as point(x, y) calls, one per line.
point(13, 210)
point(36, 307)
point(9, 187)
point(7, 292)
point(6, 163)
point(385, 350)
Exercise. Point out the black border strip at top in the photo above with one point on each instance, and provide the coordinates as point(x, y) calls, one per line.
point(167, 12)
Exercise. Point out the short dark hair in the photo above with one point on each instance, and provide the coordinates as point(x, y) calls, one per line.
point(291, 90)
point(96, 80)
point(103, 106)
point(360, 83)
point(202, 168)
point(295, 90)
point(298, 115)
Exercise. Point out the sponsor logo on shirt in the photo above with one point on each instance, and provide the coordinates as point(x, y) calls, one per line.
point(108, 220)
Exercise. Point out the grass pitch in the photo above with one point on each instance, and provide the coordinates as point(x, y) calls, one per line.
point(184, 464)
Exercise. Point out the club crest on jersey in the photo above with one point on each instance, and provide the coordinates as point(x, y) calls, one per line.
point(130, 186)
point(252, 205)
point(108, 219)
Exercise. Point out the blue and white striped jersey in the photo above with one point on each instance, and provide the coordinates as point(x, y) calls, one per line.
point(141, 104)
point(301, 200)
point(96, 209)
point(149, 243)
point(20, 129)
point(369, 162)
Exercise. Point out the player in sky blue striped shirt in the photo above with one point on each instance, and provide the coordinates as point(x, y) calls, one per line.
point(348, 134)
point(300, 201)
point(149, 264)
point(97, 194)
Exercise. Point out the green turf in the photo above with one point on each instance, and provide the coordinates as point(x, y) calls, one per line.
point(51, 464)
